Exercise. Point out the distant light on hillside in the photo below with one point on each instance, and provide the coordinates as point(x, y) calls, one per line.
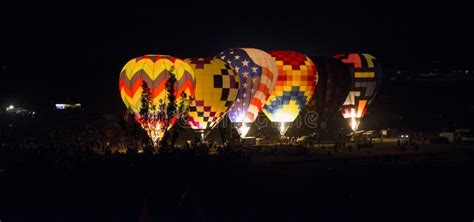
point(62, 106)
point(10, 107)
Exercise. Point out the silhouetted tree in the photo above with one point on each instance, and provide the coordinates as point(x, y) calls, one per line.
point(147, 109)
point(156, 119)
point(146, 101)
point(170, 107)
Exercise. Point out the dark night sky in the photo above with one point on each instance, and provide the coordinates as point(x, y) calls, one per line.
point(55, 50)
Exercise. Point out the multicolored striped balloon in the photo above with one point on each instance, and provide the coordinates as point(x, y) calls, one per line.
point(217, 86)
point(297, 79)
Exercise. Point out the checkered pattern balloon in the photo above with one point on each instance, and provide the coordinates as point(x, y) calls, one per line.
point(297, 79)
point(258, 75)
point(366, 76)
point(217, 86)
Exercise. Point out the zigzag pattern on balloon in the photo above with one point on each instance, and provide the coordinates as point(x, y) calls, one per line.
point(154, 70)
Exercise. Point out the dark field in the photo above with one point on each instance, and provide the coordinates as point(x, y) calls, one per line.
point(422, 186)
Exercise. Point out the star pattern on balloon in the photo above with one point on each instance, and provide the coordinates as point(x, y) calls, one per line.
point(248, 71)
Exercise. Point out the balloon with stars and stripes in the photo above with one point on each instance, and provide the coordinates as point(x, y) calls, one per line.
point(258, 75)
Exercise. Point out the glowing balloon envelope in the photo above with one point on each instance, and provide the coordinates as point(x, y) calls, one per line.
point(366, 77)
point(217, 86)
point(258, 75)
point(297, 80)
point(155, 71)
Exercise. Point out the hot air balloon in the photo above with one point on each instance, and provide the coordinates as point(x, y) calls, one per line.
point(155, 71)
point(334, 83)
point(217, 86)
point(366, 75)
point(258, 75)
point(297, 79)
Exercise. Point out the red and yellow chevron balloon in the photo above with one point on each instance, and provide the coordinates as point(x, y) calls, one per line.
point(155, 71)
point(297, 80)
point(217, 86)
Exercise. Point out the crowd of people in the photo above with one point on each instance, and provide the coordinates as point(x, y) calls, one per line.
point(407, 144)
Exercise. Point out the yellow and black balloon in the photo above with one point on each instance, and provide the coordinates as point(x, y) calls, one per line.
point(217, 86)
